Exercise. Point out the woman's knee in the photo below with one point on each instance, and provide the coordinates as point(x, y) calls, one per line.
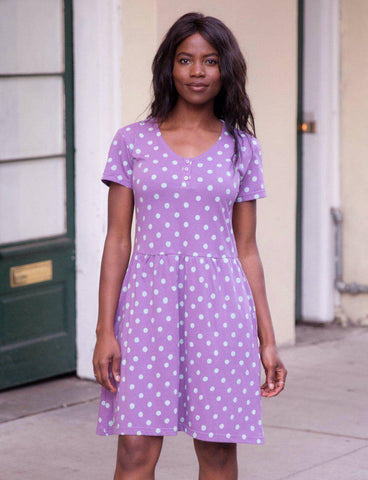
point(215, 454)
point(138, 451)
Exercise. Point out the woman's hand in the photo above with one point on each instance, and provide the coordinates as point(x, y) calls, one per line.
point(107, 350)
point(275, 371)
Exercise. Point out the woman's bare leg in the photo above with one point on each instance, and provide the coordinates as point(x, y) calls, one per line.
point(137, 457)
point(217, 460)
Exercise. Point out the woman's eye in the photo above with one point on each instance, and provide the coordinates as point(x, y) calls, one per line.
point(186, 61)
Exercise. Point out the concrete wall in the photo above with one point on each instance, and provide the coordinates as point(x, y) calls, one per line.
point(354, 165)
point(267, 33)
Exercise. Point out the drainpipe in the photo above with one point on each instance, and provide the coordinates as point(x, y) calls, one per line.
point(352, 288)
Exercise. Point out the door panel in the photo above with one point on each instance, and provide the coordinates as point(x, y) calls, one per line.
point(33, 32)
point(37, 238)
point(20, 309)
point(32, 199)
point(32, 116)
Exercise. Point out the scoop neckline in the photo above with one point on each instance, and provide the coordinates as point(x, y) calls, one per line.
point(207, 152)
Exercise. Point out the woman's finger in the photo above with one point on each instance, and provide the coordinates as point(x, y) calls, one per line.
point(104, 374)
point(281, 373)
point(264, 389)
point(96, 371)
point(116, 367)
point(271, 376)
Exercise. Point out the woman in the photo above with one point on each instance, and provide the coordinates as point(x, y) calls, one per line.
point(177, 331)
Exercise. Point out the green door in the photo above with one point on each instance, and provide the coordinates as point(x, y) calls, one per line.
point(37, 241)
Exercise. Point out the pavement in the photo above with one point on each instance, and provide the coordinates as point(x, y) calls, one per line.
point(316, 429)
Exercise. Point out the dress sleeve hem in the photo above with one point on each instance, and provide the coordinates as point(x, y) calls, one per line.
point(243, 198)
point(108, 179)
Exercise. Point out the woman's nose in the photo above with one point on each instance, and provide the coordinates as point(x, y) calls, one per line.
point(197, 69)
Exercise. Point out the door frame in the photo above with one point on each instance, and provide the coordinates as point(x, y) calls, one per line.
point(299, 172)
point(316, 295)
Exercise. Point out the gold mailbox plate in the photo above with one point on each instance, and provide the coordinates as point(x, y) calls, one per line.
point(22, 275)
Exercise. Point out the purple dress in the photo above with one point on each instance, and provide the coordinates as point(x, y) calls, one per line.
point(186, 320)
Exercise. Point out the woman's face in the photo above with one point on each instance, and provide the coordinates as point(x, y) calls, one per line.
point(196, 70)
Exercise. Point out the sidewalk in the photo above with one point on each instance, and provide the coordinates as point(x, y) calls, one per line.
point(316, 429)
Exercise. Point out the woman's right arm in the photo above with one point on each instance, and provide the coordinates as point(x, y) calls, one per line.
point(114, 263)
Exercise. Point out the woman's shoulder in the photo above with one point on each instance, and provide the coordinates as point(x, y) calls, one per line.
point(131, 130)
point(247, 141)
point(246, 136)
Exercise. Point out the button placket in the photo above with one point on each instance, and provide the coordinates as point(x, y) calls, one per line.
point(186, 169)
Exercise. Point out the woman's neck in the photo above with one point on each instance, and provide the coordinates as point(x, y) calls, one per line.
point(190, 116)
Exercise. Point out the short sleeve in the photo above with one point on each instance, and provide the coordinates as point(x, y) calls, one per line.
point(252, 182)
point(119, 164)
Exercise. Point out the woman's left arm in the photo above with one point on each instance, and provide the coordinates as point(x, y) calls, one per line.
point(244, 227)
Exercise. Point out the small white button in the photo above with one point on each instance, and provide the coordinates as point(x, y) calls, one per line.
point(187, 160)
point(186, 177)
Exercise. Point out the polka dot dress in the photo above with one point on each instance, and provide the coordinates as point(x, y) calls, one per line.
point(186, 319)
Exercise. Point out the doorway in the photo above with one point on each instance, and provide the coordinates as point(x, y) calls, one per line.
point(37, 237)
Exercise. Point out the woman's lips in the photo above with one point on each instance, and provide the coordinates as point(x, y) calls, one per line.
point(199, 87)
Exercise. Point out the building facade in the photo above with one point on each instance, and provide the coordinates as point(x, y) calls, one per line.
point(75, 71)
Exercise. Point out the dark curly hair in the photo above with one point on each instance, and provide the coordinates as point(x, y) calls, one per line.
point(232, 103)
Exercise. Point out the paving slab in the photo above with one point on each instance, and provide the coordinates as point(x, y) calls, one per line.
point(311, 332)
point(47, 395)
point(314, 403)
point(352, 466)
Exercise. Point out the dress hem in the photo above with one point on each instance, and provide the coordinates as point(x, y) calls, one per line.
point(183, 428)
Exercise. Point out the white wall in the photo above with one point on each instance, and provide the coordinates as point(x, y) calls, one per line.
point(98, 114)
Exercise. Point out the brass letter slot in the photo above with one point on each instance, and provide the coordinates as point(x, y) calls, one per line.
point(31, 273)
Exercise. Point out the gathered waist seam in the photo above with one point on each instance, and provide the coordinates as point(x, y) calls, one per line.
point(185, 255)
